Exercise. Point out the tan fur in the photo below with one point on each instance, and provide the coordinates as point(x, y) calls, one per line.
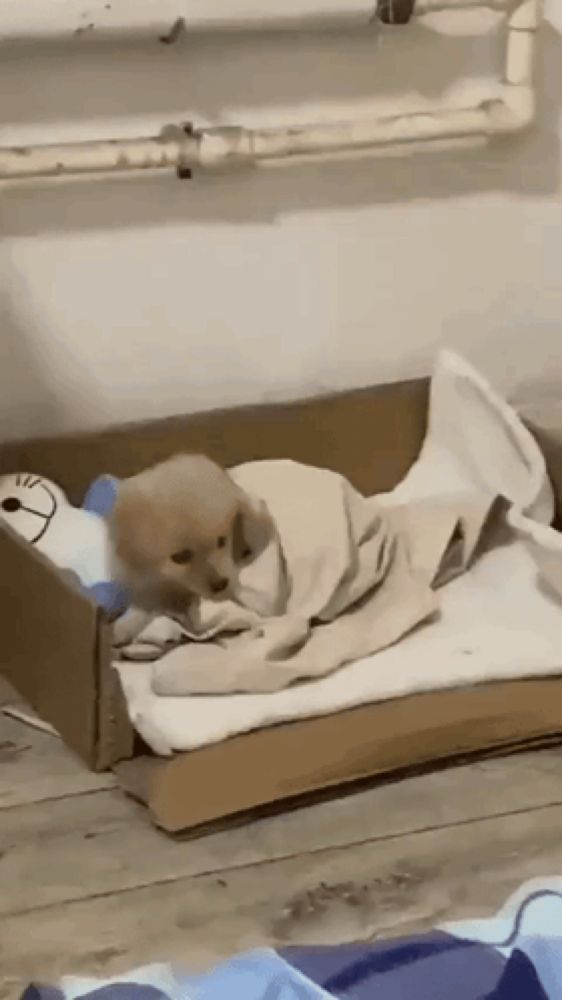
point(187, 507)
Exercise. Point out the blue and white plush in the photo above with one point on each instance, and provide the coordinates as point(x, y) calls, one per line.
point(74, 538)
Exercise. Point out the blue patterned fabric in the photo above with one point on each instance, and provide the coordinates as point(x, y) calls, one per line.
point(515, 955)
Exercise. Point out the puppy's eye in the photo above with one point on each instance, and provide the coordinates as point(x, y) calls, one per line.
point(221, 542)
point(182, 557)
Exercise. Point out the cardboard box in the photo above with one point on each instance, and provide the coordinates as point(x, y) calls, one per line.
point(56, 644)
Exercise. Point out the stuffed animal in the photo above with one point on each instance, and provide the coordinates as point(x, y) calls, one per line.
point(74, 538)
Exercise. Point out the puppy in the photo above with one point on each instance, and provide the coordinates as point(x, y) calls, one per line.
point(181, 529)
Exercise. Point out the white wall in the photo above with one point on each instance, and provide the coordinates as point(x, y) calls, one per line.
point(136, 298)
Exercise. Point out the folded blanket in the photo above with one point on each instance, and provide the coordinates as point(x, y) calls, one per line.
point(515, 954)
point(341, 576)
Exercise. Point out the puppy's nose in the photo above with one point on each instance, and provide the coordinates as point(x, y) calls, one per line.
point(219, 585)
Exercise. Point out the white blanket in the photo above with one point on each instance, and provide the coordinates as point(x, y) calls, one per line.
point(495, 622)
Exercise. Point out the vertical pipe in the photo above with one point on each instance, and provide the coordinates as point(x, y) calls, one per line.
point(395, 11)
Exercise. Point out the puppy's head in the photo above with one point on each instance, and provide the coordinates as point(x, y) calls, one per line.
point(181, 528)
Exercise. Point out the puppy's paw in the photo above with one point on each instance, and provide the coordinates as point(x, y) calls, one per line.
point(126, 628)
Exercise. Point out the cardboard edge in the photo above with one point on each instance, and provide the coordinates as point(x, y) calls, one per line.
point(220, 782)
point(136, 775)
point(333, 424)
point(115, 736)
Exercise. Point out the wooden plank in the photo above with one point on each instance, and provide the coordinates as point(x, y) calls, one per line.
point(37, 767)
point(104, 843)
point(378, 888)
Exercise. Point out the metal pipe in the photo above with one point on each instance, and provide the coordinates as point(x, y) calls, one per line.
point(185, 149)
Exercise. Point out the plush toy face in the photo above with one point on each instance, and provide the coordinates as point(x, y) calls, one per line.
point(74, 538)
point(28, 504)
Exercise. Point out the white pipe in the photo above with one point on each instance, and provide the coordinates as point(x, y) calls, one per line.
point(519, 97)
point(224, 147)
point(214, 148)
point(75, 20)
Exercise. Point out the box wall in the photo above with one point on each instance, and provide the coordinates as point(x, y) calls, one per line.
point(49, 637)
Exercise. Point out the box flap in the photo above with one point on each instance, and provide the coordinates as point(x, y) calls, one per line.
point(49, 643)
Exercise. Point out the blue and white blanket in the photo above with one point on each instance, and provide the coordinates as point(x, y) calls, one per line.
point(515, 955)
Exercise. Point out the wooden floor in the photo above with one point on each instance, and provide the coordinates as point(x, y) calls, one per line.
point(86, 885)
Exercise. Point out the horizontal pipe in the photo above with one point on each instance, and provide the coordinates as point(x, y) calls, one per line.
point(98, 156)
point(184, 149)
point(230, 146)
point(261, 145)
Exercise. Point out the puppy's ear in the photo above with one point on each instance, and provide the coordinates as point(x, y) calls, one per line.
point(252, 530)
